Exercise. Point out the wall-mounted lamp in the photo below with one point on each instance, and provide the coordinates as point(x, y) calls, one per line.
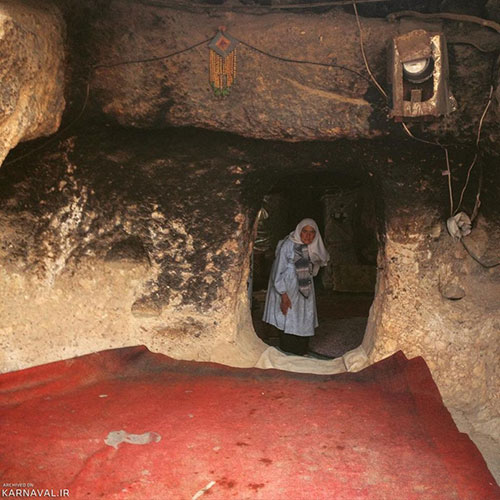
point(419, 75)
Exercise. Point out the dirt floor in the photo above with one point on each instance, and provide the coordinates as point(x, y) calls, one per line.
point(342, 322)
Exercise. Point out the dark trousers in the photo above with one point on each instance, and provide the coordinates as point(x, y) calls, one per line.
point(294, 344)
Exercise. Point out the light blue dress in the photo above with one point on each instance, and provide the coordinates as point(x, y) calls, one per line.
point(302, 318)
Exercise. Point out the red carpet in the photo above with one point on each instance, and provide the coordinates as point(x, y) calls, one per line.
point(382, 433)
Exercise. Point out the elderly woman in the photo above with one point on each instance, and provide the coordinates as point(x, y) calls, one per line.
point(290, 301)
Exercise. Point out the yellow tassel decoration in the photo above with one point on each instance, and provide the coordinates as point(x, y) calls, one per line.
point(222, 62)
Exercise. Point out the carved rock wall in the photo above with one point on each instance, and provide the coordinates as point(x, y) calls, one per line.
point(119, 237)
point(32, 72)
point(272, 98)
point(146, 234)
point(433, 299)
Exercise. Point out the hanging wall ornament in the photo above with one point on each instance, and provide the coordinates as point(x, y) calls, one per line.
point(222, 62)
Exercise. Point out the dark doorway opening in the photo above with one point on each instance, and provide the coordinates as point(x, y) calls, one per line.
point(343, 207)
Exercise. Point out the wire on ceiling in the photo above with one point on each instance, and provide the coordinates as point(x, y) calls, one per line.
point(446, 15)
point(333, 3)
point(405, 127)
point(476, 258)
point(300, 61)
point(164, 57)
point(375, 82)
point(58, 133)
point(447, 172)
point(150, 59)
point(87, 94)
point(476, 154)
point(372, 81)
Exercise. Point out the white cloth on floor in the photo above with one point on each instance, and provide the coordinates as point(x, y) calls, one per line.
point(271, 358)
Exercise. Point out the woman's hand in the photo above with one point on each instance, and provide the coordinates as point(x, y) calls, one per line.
point(286, 303)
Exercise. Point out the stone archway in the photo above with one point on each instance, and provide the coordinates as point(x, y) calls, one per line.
point(342, 205)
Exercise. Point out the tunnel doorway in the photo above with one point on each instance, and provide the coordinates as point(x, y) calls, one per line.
point(343, 207)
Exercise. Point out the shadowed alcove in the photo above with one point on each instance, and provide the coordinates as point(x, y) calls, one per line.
point(342, 204)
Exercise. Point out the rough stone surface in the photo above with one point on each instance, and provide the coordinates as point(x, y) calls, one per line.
point(32, 74)
point(433, 300)
point(171, 211)
point(176, 91)
point(84, 221)
point(271, 98)
point(118, 237)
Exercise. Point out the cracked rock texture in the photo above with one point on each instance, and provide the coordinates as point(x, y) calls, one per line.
point(32, 71)
point(139, 234)
point(432, 299)
point(129, 232)
point(176, 91)
point(120, 237)
point(272, 98)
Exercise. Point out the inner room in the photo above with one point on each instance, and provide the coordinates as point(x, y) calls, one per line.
point(343, 206)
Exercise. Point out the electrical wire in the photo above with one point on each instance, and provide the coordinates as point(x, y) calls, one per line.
point(470, 43)
point(450, 190)
point(476, 258)
point(410, 134)
point(476, 155)
point(453, 211)
point(469, 170)
point(448, 173)
point(60, 132)
point(301, 61)
point(446, 15)
point(333, 3)
point(466, 181)
point(477, 203)
point(57, 134)
point(151, 59)
point(163, 57)
point(447, 159)
point(375, 82)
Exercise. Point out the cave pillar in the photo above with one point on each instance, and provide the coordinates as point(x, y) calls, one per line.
point(433, 300)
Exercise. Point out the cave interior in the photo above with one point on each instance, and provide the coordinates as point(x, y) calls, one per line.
point(141, 204)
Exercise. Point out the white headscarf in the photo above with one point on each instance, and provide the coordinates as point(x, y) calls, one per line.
point(317, 251)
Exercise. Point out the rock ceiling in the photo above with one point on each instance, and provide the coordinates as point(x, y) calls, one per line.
point(115, 53)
